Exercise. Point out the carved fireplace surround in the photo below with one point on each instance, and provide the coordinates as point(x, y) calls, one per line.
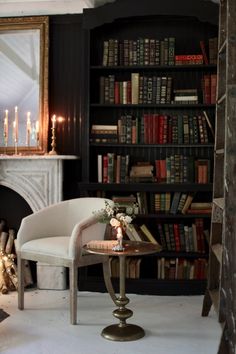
point(37, 179)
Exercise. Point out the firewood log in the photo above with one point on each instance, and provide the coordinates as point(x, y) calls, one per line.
point(10, 241)
point(4, 236)
point(11, 270)
point(3, 285)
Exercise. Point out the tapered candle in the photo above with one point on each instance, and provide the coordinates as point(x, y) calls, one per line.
point(6, 126)
point(28, 129)
point(16, 124)
point(54, 119)
point(14, 131)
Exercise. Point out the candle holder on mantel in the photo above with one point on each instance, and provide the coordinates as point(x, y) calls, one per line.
point(53, 143)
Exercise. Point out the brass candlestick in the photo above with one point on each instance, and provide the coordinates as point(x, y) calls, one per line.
point(53, 144)
point(16, 147)
point(5, 143)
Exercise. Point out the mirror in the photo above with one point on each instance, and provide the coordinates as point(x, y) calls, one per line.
point(24, 85)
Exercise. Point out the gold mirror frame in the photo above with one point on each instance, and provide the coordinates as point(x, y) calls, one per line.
point(40, 23)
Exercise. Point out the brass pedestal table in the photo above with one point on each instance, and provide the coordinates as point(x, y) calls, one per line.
point(124, 331)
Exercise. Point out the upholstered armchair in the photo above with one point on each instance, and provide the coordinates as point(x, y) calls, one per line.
point(55, 235)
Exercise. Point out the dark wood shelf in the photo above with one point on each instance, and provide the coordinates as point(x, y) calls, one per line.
point(210, 145)
point(155, 67)
point(188, 31)
point(148, 187)
point(149, 105)
point(147, 286)
point(173, 216)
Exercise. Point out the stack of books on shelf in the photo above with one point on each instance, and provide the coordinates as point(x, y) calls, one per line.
point(126, 204)
point(185, 96)
point(103, 133)
point(200, 208)
point(188, 59)
point(181, 269)
point(141, 172)
point(140, 51)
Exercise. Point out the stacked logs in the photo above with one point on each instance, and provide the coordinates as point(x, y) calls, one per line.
point(8, 268)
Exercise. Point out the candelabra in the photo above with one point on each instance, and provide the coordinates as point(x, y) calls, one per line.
point(53, 144)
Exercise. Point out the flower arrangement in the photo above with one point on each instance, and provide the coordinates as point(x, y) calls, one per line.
point(110, 214)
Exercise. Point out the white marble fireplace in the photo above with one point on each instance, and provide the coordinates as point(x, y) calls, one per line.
point(37, 179)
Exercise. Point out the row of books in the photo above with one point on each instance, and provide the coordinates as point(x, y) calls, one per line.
point(180, 237)
point(155, 51)
point(167, 268)
point(180, 268)
point(162, 203)
point(179, 203)
point(112, 168)
point(141, 51)
point(156, 129)
point(132, 267)
point(138, 90)
point(176, 237)
point(182, 169)
point(143, 89)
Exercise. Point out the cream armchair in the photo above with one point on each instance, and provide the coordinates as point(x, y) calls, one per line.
point(55, 235)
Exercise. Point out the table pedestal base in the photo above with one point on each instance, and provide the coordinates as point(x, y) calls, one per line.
point(128, 332)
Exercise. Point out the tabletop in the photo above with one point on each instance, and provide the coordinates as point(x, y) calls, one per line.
point(131, 248)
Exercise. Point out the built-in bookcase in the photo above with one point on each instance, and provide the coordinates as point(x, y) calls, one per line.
point(150, 89)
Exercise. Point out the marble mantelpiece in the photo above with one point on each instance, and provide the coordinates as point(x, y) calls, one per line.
point(36, 178)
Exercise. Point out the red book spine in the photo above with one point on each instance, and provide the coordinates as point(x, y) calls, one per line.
point(146, 134)
point(213, 88)
point(117, 92)
point(105, 168)
point(129, 100)
point(207, 89)
point(177, 237)
point(155, 128)
point(203, 49)
point(161, 129)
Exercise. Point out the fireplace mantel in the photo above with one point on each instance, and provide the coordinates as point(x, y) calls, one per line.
point(36, 178)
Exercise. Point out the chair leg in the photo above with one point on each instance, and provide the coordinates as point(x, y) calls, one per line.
point(21, 285)
point(108, 283)
point(73, 293)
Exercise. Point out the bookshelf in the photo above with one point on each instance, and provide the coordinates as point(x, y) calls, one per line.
point(117, 100)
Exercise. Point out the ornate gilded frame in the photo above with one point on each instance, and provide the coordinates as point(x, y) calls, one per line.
point(41, 23)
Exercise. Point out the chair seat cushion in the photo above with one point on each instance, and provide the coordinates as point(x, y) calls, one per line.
point(53, 246)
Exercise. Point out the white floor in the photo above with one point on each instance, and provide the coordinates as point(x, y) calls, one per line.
point(173, 325)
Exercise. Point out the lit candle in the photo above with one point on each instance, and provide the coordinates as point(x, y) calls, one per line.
point(6, 126)
point(28, 129)
point(54, 119)
point(16, 125)
point(14, 131)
